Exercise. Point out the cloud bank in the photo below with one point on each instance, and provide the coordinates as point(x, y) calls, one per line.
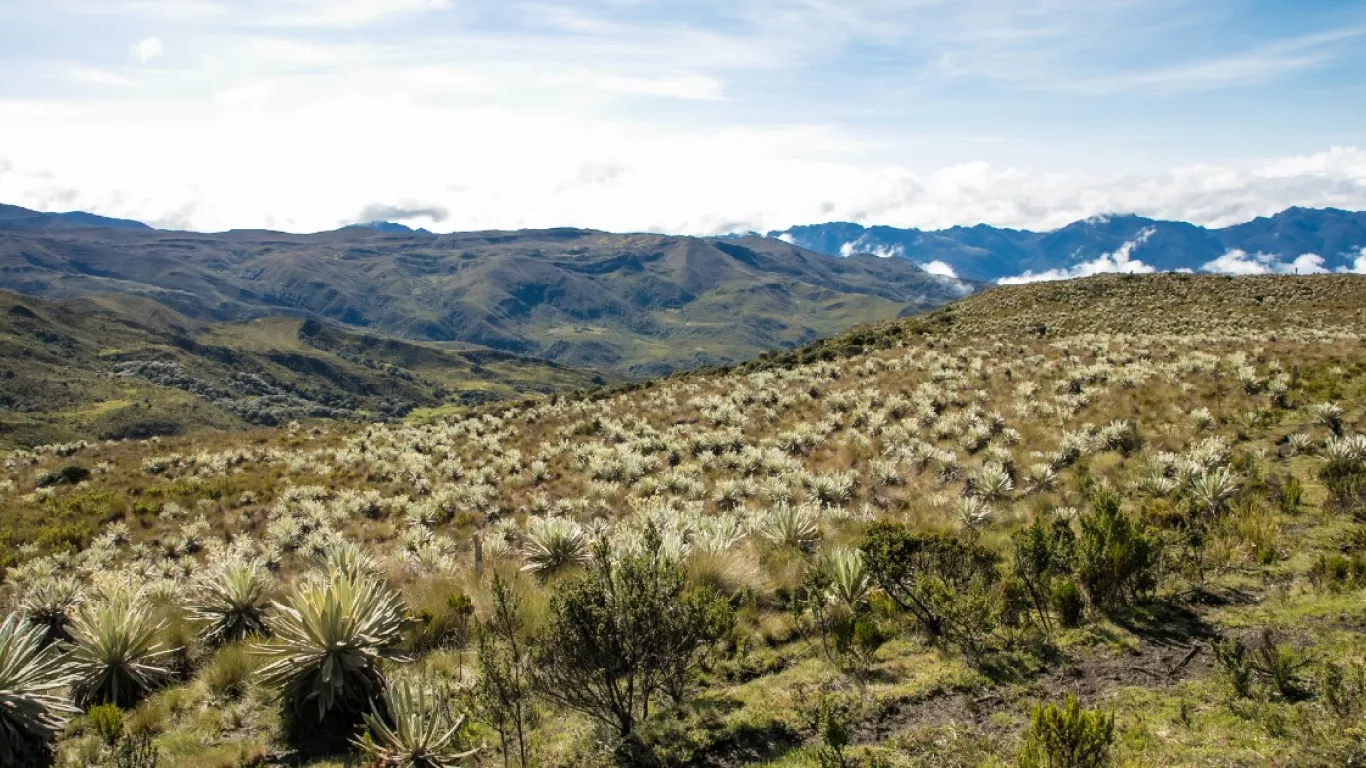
point(1121, 260)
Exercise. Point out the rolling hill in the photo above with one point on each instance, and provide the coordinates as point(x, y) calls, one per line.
point(638, 304)
point(114, 366)
point(1121, 243)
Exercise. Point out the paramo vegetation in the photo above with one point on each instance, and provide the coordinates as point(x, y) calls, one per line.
point(1116, 521)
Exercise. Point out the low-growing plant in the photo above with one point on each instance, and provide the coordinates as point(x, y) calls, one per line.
point(1235, 663)
point(1342, 688)
point(230, 672)
point(231, 604)
point(106, 721)
point(1279, 666)
point(1335, 571)
point(327, 642)
point(49, 604)
point(136, 751)
point(115, 654)
point(32, 709)
point(417, 730)
point(1067, 737)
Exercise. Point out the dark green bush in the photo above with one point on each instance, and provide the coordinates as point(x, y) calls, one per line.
point(1118, 557)
point(1069, 603)
point(1044, 553)
point(68, 475)
point(625, 635)
point(948, 583)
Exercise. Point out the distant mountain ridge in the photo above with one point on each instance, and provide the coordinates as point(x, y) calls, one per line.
point(635, 304)
point(1332, 239)
point(14, 217)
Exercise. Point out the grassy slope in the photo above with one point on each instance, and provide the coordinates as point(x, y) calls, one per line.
point(1148, 349)
point(59, 360)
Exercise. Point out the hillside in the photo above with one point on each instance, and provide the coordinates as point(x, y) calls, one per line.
point(636, 304)
point(1122, 243)
point(113, 366)
point(888, 548)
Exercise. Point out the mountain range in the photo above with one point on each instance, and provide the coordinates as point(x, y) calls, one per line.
point(627, 304)
point(1295, 240)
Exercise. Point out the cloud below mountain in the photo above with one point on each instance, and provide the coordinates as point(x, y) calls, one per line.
point(1240, 262)
point(1121, 260)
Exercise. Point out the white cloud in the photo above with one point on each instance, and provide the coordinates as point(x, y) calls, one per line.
point(1239, 262)
point(509, 166)
point(862, 245)
point(1121, 260)
point(785, 237)
point(145, 50)
point(1358, 264)
point(938, 267)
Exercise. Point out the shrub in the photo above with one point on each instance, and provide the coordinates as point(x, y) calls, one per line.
point(1235, 664)
point(115, 655)
point(1044, 552)
point(946, 582)
point(420, 730)
point(68, 475)
point(831, 716)
point(328, 640)
point(1117, 557)
point(503, 689)
point(231, 604)
point(1279, 666)
point(625, 634)
point(1067, 737)
point(31, 678)
point(1068, 601)
point(106, 721)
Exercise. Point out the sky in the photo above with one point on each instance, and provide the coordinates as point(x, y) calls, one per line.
point(688, 117)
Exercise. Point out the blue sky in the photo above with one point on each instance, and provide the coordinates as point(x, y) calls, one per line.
point(692, 117)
